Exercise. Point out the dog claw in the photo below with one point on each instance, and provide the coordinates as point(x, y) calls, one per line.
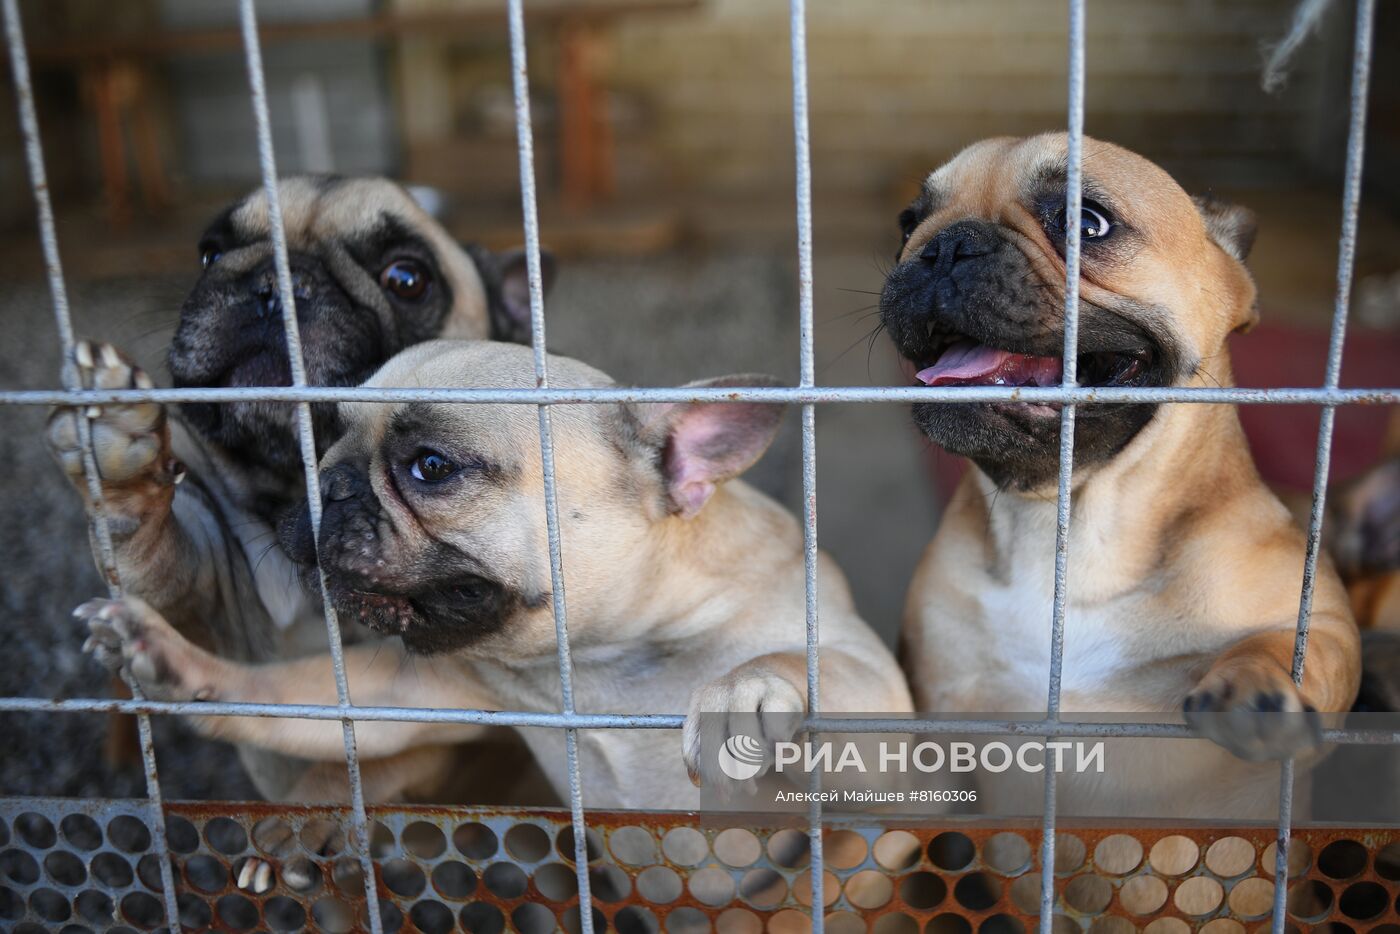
point(93, 411)
point(255, 876)
point(90, 608)
point(262, 880)
point(245, 875)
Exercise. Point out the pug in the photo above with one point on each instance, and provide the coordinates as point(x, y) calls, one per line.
point(1184, 569)
point(685, 586)
point(193, 496)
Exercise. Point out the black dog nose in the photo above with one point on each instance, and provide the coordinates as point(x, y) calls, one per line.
point(270, 299)
point(962, 240)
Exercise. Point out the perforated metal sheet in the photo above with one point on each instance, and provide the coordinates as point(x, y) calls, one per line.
point(73, 865)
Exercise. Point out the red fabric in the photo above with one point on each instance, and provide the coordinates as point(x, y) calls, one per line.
point(1284, 437)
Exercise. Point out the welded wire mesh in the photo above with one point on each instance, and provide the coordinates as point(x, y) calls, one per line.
point(806, 393)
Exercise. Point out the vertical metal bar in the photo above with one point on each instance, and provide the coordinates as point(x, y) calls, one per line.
point(520, 83)
point(1073, 197)
point(306, 437)
point(58, 290)
point(1346, 261)
point(807, 376)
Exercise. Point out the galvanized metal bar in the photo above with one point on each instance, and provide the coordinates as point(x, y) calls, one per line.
point(787, 395)
point(58, 292)
point(524, 136)
point(1346, 263)
point(1074, 152)
point(611, 721)
point(802, 152)
point(267, 160)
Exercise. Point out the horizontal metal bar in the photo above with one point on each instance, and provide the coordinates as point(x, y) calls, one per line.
point(1124, 395)
point(616, 721)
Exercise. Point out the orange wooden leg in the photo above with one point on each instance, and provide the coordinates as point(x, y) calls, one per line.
point(585, 136)
point(115, 187)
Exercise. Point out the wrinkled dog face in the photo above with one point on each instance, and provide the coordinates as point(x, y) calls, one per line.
point(977, 296)
point(372, 273)
point(433, 524)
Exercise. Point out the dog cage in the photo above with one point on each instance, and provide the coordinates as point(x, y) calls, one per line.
point(71, 861)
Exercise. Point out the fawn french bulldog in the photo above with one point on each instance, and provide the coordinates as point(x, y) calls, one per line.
point(685, 586)
point(1184, 569)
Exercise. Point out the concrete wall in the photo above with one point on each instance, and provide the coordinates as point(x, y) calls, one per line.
point(897, 86)
point(212, 114)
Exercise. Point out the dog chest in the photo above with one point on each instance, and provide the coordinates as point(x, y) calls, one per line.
point(989, 650)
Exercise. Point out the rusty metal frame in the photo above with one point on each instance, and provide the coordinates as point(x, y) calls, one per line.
point(437, 867)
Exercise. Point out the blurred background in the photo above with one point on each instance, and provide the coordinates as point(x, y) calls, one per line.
point(663, 133)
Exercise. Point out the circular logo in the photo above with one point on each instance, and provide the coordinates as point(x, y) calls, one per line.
point(741, 757)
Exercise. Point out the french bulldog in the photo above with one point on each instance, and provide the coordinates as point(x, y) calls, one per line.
point(685, 586)
point(193, 496)
point(1184, 569)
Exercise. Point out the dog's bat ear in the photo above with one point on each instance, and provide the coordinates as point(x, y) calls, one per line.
point(510, 313)
point(703, 444)
point(1233, 228)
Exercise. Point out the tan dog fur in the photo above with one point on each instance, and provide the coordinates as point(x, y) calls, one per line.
point(1184, 569)
point(671, 607)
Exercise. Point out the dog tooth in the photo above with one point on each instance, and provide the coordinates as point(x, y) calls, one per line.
point(82, 352)
point(110, 357)
point(245, 875)
point(143, 380)
point(93, 411)
point(263, 880)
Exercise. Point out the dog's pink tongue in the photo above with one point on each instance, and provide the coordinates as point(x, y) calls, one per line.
point(970, 363)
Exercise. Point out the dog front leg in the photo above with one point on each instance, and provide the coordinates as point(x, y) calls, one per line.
point(1248, 703)
point(765, 698)
point(131, 448)
point(160, 531)
point(128, 635)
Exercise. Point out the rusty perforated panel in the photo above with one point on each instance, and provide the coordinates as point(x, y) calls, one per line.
point(74, 865)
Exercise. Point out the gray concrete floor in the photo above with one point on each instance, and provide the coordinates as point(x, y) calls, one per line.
point(656, 321)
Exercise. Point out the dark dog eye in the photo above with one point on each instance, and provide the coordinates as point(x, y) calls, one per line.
point(908, 220)
point(1092, 223)
point(432, 467)
point(406, 279)
point(209, 256)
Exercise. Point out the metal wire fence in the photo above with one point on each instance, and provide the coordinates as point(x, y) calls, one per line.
point(806, 393)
